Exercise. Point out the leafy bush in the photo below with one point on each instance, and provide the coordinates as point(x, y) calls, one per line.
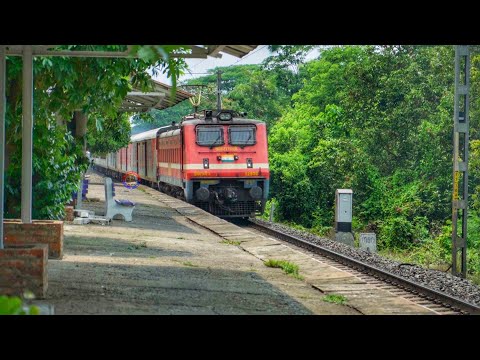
point(396, 232)
point(14, 306)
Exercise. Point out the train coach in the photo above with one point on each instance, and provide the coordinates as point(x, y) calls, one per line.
point(217, 161)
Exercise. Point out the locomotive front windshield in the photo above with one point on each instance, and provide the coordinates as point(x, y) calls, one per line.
point(242, 135)
point(210, 135)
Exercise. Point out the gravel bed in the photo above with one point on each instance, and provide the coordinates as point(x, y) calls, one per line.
point(434, 279)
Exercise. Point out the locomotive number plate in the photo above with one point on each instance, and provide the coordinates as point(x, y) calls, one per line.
point(227, 158)
point(226, 148)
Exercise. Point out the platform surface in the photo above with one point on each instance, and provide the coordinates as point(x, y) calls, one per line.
point(164, 263)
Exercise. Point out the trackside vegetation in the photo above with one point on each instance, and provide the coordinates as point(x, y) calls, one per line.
point(376, 119)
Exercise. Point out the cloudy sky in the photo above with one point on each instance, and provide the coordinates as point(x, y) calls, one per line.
point(199, 67)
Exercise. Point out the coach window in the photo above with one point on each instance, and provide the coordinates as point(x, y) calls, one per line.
point(242, 135)
point(210, 135)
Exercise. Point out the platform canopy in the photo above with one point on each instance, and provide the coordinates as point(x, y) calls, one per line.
point(217, 50)
point(197, 51)
point(159, 98)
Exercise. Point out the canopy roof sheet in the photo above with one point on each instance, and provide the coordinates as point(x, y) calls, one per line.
point(234, 50)
point(159, 98)
point(197, 51)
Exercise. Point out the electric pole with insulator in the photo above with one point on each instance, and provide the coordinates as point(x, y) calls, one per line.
point(219, 89)
point(461, 124)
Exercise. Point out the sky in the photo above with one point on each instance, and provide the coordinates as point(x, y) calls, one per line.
point(198, 67)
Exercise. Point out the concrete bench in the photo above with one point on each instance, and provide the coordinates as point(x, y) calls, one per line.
point(115, 207)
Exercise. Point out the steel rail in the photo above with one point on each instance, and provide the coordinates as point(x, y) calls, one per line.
point(401, 282)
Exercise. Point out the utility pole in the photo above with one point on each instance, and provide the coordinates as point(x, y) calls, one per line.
point(460, 160)
point(219, 89)
point(196, 102)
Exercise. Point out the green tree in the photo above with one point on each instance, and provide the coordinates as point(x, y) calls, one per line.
point(376, 119)
point(63, 85)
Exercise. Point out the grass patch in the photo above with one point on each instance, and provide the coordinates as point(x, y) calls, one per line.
point(288, 267)
point(180, 238)
point(230, 242)
point(335, 299)
point(138, 246)
point(188, 263)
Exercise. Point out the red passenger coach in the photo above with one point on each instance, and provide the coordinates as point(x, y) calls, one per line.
point(144, 156)
point(219, 162)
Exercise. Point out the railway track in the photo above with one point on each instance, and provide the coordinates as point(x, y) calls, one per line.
point(434, 300)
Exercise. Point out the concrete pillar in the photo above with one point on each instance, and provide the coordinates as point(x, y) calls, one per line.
point(3, 80)
point(27, 134)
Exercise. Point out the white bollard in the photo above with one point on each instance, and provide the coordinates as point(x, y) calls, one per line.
point(272, 210)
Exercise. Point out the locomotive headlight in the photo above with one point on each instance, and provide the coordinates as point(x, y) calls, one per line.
point(206, 164)
point(249, 163)
point(224, 116)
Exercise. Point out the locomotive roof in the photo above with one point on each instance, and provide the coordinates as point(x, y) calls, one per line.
point(214, 121)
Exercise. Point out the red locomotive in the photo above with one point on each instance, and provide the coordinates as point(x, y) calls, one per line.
point(217, 161)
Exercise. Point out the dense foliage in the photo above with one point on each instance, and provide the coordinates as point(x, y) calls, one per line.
point(376, 119)
point(63, 85)
point(15, 306)
point(108, 135)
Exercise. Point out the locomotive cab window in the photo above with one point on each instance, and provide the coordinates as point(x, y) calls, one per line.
point(210, 135)
point(242, 135)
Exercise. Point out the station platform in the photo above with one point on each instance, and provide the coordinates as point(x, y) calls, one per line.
point(169, 260)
